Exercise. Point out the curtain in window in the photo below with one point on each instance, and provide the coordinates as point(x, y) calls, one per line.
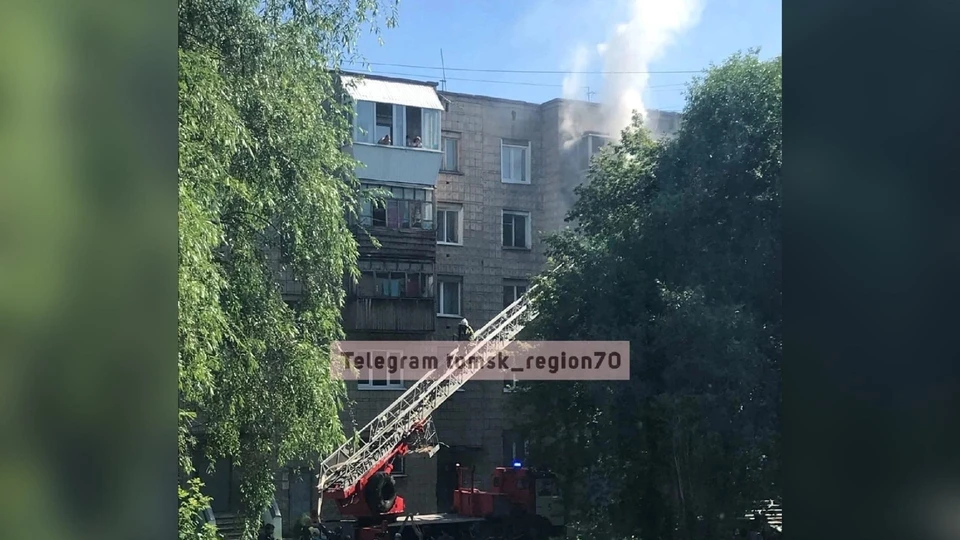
point(431, 129)
point(516, 164)
point(413, 285)
point(364, 122)
point(512, 162)
point(428, 217)
point(396, 283)
point(450, 154)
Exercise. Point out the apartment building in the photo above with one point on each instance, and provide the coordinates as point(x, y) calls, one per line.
point(476, 183)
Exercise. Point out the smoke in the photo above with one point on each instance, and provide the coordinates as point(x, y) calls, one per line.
point(573, 84)
point(653, 26)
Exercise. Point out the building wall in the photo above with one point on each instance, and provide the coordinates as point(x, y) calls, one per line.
point(473, 420)
point(471, 423)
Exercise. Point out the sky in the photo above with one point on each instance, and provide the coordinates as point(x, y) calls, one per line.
point(482, 39)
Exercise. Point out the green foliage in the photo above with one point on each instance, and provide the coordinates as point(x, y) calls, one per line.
point(192, 525)
point(677, 248)
point(263, 185)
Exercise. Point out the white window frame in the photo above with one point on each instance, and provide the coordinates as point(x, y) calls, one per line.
point(503, 214)
point(392, 384)
point(526, 162)
point(443, 148)
point(440, 294)
point(458, 210)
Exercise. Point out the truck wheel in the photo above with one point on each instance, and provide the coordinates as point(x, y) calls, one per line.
point(381, 493)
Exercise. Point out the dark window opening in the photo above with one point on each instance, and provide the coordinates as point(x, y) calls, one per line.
point(414, 120)
point(511, 293)
point(384, 126)
point(515, 230)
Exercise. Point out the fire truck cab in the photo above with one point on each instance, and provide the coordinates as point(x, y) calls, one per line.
point(519, 494)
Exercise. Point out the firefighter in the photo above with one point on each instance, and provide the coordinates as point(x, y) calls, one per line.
point(464, 332)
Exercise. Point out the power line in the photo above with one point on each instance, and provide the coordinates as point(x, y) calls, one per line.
point(522, 83)
point(543, 72)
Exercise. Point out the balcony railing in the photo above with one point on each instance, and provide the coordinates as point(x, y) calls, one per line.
point(382, 163)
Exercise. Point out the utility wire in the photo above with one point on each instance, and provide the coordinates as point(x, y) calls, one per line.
point(428, 76)
point(536, 71)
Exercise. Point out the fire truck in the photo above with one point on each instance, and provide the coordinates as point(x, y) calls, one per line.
point(524, 503)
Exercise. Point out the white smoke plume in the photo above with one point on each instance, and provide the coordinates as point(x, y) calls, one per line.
point(572, 88)
point(652, 26)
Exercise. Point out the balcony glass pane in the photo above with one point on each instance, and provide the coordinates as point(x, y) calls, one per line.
point(431, 129)
point(364, 122)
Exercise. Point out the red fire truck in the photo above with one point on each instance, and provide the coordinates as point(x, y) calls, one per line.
point(523, 503)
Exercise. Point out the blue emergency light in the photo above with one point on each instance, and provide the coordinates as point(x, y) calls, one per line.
point(517, 464)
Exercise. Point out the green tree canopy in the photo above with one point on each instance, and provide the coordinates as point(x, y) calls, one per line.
point(263, 185)
point(676, 248)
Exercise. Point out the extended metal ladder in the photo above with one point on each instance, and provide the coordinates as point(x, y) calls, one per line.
point(410, 414)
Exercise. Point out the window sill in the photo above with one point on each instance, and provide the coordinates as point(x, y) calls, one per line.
point(511, 248)
point(366, 388)
point(448, 316)
point(450, 244)
point(455, 173)
point(502, 181)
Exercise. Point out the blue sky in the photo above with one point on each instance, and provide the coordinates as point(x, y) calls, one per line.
point(543, 35)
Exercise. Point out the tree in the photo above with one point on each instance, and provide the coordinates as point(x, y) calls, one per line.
point(263, 184)
point(676, 248)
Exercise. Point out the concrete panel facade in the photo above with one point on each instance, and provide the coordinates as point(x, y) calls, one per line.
point(473, 422)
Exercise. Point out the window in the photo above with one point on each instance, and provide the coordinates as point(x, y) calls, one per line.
point(376, 122)
point(414, 120)
point(515, 162)
point(399, 466)
point(395, 285)
point(451, 156)
point(449, 225)
point(512, 291)
point(384, 127)
point(591, 144)
point(448, 299)
point(390, 381)
point(516, 229)
point(408, 208)
point(431, 129)
point(364, 124)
